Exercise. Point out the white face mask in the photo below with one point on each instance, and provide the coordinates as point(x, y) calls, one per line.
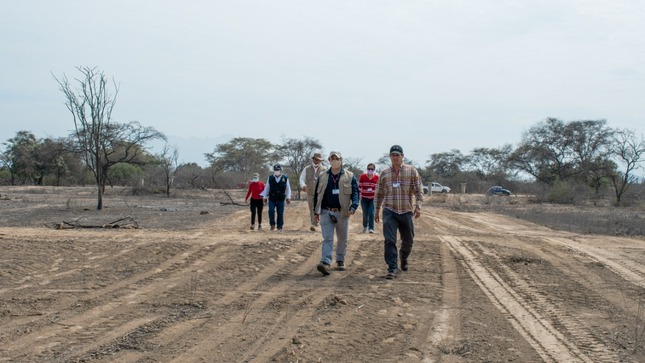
point(370, 172)
point(277, 173)
point(335, 164)
point(255, 179)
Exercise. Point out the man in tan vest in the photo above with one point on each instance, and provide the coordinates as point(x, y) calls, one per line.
point(336, 199)
point(308, 179)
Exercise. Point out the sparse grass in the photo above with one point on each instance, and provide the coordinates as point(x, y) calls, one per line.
point(586, 219)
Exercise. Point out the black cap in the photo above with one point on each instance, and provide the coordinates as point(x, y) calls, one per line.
point(396, 149)
point(277, 167)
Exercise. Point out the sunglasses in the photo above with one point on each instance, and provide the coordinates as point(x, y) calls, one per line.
point(333, 218)
point(370, 169)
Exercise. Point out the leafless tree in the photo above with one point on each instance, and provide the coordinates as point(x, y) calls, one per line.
point(297, 153)
point(169, 159)
point(101, 141)
point(629, 152)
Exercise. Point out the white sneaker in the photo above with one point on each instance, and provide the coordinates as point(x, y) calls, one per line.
point(365, 230)
point(371, 231)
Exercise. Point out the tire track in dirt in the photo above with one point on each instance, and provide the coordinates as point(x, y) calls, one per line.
point(209, 264)
point(622, 265)
point(111, 319)
point(66, 303)
point(446, 327)
point(582, 335)
point(283, 284)
point(548, 342)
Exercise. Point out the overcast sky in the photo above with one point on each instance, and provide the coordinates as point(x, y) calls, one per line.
point(357, 75)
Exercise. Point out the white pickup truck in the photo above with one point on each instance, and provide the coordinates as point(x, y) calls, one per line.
point(436, 188)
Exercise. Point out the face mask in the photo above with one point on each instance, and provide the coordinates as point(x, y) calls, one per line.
point(370, 172)
point(335, 164)
point(277, 173)
point(255, 179)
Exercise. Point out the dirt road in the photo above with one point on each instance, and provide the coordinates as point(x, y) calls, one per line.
point(191, 287)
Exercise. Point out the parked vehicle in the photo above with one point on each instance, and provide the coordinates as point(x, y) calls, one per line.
point(497, 190)
point(436, 188)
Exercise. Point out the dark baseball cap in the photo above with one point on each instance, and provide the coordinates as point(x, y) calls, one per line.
point(277, 167)
point(396, 149)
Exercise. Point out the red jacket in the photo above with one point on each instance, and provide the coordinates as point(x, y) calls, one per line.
point(255, 188)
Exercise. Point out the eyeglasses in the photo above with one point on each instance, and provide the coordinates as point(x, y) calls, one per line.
point(333, 218)
point(370, 169)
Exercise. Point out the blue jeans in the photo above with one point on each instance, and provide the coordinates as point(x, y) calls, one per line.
point(272, 209)
point(368, 212)
point(342, 233)
point(403, 223)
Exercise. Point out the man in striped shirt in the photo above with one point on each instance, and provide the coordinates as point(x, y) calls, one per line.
point(401, 193)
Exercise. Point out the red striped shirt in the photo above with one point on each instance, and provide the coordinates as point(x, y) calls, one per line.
point(367, 186)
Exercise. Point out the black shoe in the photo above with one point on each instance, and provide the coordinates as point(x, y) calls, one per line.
point(341, 266)
point(390, 274)
point(404, 265)
point(323, 268)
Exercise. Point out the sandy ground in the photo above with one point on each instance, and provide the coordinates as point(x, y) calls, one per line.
point(191, 286)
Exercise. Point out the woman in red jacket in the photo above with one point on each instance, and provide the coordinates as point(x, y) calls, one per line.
point(255, 188)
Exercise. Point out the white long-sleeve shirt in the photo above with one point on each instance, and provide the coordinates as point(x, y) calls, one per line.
point(267, 187)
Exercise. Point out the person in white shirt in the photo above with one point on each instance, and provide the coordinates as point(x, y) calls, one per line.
point(276, 192)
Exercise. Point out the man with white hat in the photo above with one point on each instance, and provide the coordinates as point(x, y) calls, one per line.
point(308, 180)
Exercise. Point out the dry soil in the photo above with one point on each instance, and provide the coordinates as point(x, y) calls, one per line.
point(194, 284)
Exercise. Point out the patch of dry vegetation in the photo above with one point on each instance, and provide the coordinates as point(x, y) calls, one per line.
point(601, 218)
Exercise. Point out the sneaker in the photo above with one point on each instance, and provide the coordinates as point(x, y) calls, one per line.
point(279, 230)
point(340, 266)
point(323, 268)
point(272, 227)
point(259, 227)
point(404, 265)
point(252, 227)
point(312, 228)
point(390, 274)
point(365, 230)
point(371, 231)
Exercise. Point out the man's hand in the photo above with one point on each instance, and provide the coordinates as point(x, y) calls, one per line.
point(304, 188)
point(288, 201)
point(266, 200)
point(377, 219)
point(317, 218)
point(351, 212)
point(417, 212)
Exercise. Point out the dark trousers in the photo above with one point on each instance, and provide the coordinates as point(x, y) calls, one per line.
point(276, 207)
point(404, 224)
point(256, 207)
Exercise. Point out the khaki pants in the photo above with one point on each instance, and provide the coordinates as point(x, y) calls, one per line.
point(312, 215)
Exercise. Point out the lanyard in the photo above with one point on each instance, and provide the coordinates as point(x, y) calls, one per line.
point(335, 180)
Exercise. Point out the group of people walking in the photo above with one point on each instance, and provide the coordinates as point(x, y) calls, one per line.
point(333, 197)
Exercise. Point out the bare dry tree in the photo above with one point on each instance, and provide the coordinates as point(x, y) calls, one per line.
point(100, 141)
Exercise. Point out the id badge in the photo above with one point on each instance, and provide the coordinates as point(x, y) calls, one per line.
point(395, 185)
point(335, 191)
